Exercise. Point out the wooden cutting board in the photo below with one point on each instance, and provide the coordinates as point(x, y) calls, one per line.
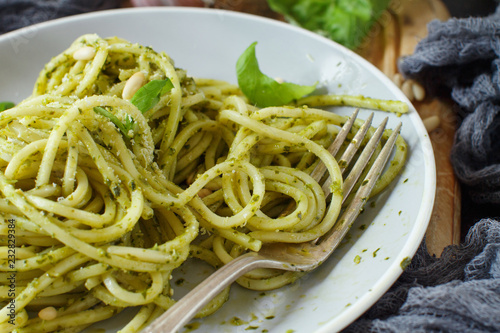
point(396, 35)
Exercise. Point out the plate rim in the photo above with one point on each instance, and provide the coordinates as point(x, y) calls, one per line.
point(420, 226)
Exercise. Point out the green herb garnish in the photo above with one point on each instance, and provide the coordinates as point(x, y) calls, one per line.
point(262, 90)
point(6, 105)
point(344, 21)
point(124, 128)
point(149, 95)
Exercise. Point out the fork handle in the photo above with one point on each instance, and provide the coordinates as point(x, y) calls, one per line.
point(183, 311)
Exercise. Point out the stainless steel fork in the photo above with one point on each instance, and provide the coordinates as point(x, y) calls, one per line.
point(290, 256)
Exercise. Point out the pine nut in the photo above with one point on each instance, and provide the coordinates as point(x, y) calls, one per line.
point(407, 89)
point(133, 84)
point(418, 91)
point(431, 123)
point(191, 178)
point(48, 313)
point(204, 192)
point(398, 79)
point(84, 53)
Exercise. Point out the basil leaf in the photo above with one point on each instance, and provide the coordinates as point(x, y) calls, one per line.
point(344, 21)
point(124, 128)
point(262, 90)
point(6, 105)
point(149, 95)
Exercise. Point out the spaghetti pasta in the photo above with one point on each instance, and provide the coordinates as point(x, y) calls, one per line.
point(108, 199)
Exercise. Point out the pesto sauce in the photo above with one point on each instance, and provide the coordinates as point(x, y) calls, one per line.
point(405, 263)
point(191, 327)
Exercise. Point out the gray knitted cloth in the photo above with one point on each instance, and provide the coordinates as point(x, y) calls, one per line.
point(462, 57)
point(457, 292)
point(460, 291)
point(15, 14)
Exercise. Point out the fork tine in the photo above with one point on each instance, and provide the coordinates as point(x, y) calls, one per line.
point(363, 160)
point(382, 159)
point(320, 169)
point(349, 153)
point(333, 238)
point(371, 178)
point(355, 143)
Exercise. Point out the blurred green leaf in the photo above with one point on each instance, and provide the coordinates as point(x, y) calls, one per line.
point(344, 21)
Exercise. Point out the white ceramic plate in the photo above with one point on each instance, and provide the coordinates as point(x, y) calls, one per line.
point(207, 43)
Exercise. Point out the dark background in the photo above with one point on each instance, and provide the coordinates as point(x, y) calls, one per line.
point(466, 8)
